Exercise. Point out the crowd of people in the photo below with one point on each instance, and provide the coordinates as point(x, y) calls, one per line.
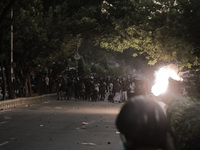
point(141, 121)
point(99, 88)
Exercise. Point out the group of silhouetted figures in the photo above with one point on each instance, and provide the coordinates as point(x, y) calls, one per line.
point(98, 89)
point(141, 122)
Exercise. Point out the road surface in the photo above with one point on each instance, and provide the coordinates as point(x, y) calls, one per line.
point(60, 125)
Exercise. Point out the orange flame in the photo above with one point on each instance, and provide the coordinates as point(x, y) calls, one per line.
point(162, 80)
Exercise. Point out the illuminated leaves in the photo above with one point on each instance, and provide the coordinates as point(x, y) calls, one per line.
point(161, 33)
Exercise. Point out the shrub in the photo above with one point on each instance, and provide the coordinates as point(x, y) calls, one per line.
point(184, 118)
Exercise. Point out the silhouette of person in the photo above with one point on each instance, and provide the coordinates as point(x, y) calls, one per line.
point(143, 125)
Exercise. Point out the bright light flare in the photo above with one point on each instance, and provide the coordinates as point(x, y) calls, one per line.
point(162, 80)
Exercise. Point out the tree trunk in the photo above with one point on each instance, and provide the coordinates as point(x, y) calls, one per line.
point(6, 75)
point(26, 87)
point(40, 84)
point(3, 85)
point(11, 91)
point(27, 84)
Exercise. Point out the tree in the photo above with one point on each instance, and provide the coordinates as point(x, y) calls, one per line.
point(50, 32)
point(83, 69)
point(159, 31)
point(4, 55)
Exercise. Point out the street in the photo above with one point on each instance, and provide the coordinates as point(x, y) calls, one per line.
point(60, 125)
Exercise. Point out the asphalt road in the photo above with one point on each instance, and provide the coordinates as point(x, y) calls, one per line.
point(60, 125)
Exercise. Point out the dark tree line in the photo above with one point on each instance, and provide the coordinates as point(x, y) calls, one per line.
point(48, 33)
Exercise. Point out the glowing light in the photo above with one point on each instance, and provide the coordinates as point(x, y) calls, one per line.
point(162, 80)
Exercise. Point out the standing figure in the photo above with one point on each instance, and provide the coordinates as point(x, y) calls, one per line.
point(110, 88)
point(117, 91)
point(143, 125)
point(124, 90)
point(60, 88)
point(69, 88)
point(82, 91)
point(132, 90)
point(95, 95)
point(46, 80)
point(103, 87)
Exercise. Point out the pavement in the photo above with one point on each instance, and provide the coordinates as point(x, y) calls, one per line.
point(62, 125)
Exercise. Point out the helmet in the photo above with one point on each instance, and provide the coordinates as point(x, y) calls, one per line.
point(143, 123)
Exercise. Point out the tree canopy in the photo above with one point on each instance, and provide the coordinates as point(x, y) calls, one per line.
point(159, 30)
point(156, 29)
point(49, 33)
